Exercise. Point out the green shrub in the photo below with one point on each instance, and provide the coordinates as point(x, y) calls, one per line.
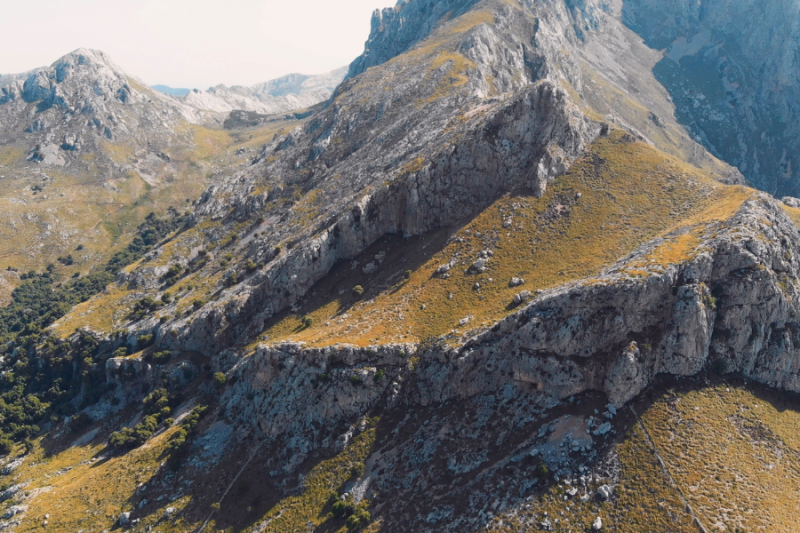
point(220, 379)
point(339, 508)
point(307, 321)
point(542, 471)
point(155, 401)
point(160, 358)
point(378, 376)
point(250, 266)
point(123, 439)
point(120, 352)
point(178, 439)
point(144, 341)
point(356, 380)
point(173, 272)
point(6, 446)
point(358, 519)
point(358, 291)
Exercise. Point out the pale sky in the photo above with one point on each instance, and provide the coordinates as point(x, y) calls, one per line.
point(190, 43)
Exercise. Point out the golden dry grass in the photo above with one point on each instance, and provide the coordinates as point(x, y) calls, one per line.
point(90, 495)
point(630, 194)
point(733, 453)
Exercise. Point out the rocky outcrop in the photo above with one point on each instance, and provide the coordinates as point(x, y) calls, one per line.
point(733, 306)
point(395, 30)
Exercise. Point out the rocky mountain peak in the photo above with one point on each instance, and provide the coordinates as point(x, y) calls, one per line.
point(83, 97)
point(396, 29)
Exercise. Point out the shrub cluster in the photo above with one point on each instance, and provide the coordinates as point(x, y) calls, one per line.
point(357, 517)
point(45, 374)
point(157, 410)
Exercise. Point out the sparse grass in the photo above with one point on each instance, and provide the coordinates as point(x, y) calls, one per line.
point(630, 194)
point(101, 313)
point(295, 513)
point(793, 212)
point(734, 455)
point(90, 496)
point(10, 155)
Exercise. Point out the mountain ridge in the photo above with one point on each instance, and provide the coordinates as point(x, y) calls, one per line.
point(493, 283)
point(287, 93)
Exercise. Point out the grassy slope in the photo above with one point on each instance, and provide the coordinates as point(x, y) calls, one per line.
point(76, 207)
point(630, 194)
point(81, 490)
point(734, 453)
point(95, 490)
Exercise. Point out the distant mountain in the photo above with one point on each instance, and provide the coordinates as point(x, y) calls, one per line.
point(295, 91)
point(86, 152)
point(166, 89)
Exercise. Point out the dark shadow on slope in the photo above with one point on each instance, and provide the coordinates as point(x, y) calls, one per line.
point(340, 284)
point(719, 96)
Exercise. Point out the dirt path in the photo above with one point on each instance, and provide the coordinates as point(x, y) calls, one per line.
point(667, 472)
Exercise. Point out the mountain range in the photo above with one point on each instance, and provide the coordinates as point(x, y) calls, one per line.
point(288, 93)
point(531, 266)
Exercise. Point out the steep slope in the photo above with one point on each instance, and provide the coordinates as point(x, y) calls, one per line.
point(733, 75)
point(288, 93)
point(425, 309)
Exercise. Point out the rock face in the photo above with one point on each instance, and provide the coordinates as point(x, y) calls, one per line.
point(728, 304)
point(744, 114)
point(395, 30)
point(731, 305)
point(288, 93)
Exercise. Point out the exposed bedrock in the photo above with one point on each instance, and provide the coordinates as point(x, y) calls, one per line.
point(523, 144)
point(732, 307)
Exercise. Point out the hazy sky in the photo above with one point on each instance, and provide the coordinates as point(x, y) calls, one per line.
point(190, 43)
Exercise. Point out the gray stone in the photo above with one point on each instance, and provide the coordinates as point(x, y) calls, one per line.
point(605, 492)
point(521, 297)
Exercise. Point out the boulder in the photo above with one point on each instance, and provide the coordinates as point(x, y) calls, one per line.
point(605, 492)
point(522, 297)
